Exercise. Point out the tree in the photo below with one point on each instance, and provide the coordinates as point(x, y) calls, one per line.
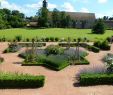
point(68, 21)
point(99, 27)
point(42, 17)
point(62, 19)
point(10, 19)
point(55, 18)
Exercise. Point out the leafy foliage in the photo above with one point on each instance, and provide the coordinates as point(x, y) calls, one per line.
point(99, 27)
point(104, 45)
point(13, 19)
point(52, 49)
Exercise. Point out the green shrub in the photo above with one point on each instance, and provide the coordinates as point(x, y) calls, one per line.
point(47, 39)
point(56, 39)
point(52, 39)
point(56, 62)
point(1, 60)
point(96, 79)
point(29, 44)
point(18, 38)
point(99, 27)
point(66, 44)
point(94, 49)
point(54, 49)
point(13, 47)
point(9, 80)
point(104, 45)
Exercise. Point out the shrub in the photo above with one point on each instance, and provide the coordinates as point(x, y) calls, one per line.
point(56, 62)
point(54, 49)
point(1, 60)
point(39, 44)
point(9, 80)
point(18, 38)
point(74, 40)
point(27, 39)
point(94, 69)
point(52, 39)
point(47, 39)
point(67, 44)
point(94, 49)
point(96, 79)
point(13, 47)
point(56, 39)
point(99, 27)
point(104, 45)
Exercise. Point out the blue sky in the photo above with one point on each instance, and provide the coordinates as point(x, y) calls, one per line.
point(30, 7)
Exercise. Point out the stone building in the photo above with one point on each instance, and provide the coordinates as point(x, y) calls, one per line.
point(82, 20)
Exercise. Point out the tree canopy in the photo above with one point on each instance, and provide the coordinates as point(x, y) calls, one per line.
point(11, 19)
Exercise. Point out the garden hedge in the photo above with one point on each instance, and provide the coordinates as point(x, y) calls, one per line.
point(67, 44)
point(29, 44)
point(57, 62)
point(9, 80)
point(96, 79)
point(94, 49)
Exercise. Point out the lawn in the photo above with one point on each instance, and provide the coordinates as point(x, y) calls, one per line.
point(53, 32)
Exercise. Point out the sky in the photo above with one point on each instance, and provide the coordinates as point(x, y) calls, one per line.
point(30, 7)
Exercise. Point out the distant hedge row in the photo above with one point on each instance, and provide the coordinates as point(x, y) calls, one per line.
point(96, 79)
point(9, 80)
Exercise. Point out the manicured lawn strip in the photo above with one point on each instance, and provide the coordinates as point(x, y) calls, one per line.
point(53, 32)
point(96, 79)
point(15, 80)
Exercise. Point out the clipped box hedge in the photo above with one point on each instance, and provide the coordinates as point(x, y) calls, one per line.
point(56, 62)
point(29, 44)
point(9, 80)
point(67, 44)
point(82, 61)
point(94, 49)
point(96, 79)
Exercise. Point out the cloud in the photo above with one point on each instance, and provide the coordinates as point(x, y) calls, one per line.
point(27, 9)
point(84, 10)
point(102, 1)
point(13, 6)
point(68, 7)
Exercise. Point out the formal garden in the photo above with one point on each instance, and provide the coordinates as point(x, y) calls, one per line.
point(54, 57)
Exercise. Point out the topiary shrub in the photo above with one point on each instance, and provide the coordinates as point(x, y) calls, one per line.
point(47, 39)
point(54, 49)
point(52, 39)
point(56, 39)
point(18, 38)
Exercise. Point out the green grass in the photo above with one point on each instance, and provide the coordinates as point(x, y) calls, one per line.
point(54, 32)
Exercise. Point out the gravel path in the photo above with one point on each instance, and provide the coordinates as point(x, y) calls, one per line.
point(57, 83)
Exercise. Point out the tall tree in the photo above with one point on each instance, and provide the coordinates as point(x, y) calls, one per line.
point(63, 19)
point(55, 18)
point(42, 17)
